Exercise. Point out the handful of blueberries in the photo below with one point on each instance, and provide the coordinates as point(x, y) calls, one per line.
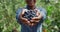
point(30, 14)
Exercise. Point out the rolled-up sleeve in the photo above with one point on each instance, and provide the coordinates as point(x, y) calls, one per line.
point(17, 15)
point(43, 13)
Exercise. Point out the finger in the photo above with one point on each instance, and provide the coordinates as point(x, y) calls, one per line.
point(24, 19)
point(29, 24)
point(34, 18)
point(34, 21)
point(37, 18)
point(32, 24)
point(23, 11)
point(31, 20)
point(37, 21)
point(26, 22)
point(37, 12)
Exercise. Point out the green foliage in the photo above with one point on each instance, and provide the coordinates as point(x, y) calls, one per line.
point(8, 10)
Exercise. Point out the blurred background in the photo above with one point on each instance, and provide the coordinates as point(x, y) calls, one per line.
point(8, 10)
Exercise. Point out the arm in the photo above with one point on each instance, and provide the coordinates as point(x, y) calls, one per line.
point(24, 20)
point(41, 16)
point(44, 13)
point(20, 19)
point(17, 15)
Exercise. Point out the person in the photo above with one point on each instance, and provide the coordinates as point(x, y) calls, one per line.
point(35, 24)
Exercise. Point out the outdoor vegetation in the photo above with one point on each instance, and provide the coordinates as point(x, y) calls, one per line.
point(8, 10)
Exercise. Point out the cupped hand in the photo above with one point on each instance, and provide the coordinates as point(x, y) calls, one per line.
point(35, 20)
point(24, 20)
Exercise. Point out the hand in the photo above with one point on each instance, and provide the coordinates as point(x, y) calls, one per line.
point(39, 15)
point(35, 20)
point(24, 20)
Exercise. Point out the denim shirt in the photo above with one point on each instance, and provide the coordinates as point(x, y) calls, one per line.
point(38, 27)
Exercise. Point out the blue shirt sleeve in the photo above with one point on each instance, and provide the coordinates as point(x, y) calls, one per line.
point(43, 12)
point(17, 15)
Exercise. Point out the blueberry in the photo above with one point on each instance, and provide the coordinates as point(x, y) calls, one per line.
point(29, 14)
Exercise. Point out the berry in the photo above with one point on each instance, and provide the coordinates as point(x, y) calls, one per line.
point(30, 14)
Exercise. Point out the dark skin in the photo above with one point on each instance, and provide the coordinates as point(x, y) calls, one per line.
point(31, 4)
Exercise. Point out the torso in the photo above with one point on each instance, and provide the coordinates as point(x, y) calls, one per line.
point(31, 29)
